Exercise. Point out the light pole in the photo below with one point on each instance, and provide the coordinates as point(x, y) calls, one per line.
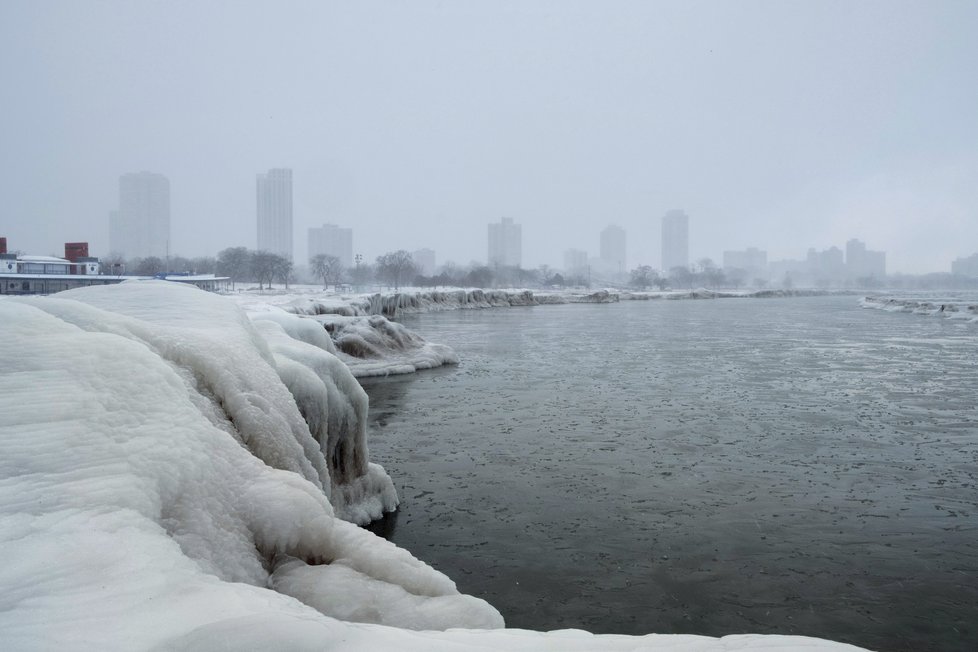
point(358, 259)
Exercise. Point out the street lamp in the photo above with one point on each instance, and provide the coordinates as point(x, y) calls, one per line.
point(358, 259)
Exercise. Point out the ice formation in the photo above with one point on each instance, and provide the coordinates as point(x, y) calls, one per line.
point(160, 489)
point(376, 346)
point(950, 308)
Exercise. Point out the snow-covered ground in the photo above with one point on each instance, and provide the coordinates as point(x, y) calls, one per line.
point(175, 475)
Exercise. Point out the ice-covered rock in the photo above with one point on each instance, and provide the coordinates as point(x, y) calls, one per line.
point(376, 346)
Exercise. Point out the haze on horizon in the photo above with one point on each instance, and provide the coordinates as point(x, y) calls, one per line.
point(780, 125)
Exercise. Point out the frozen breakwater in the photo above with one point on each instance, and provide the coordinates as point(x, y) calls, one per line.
point(176, 476)
point(947, 308)
point(414, 302)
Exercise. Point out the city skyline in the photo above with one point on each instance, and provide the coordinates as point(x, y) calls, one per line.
point(415, 125)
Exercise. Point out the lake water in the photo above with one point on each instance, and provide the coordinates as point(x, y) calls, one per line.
point(712, 467)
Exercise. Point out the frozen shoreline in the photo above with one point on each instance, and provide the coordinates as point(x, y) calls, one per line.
point(174, 475)
point(311, 301)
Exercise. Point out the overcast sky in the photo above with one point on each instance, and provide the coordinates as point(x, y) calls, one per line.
point(782, 125)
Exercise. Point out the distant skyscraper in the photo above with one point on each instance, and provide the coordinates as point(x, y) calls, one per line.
point(332, 240)
point(751, 260)
point(613, 249)
point(141, 226)
point(862, 263)
point(425, 260)
point(274, 194)
point(965, 266)
point(575, 262)
point(506, 243)
point(675, 240)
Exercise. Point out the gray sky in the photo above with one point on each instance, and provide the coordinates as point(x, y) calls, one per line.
point(781, 125)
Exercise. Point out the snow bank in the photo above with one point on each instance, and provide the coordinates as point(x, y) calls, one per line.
point(949, 308)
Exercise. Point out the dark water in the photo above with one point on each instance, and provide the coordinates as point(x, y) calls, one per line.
point(794, 466)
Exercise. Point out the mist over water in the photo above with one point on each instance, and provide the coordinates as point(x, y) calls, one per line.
point(711, 467)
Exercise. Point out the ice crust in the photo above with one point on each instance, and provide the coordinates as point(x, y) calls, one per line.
point(948, 308)
point(160, 489)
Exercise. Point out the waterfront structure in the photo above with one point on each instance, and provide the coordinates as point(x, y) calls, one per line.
point(862, 263)
point(332, 240)
point(140, 227)
point(424, 259)
point(965, 266)
point(28, 274)
point(675, 240)
point(612, 252)
point(505, 244)
point(274, 209)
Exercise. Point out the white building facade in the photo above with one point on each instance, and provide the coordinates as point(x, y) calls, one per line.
point(332, 240)
point(675, 240)
point(505, 244)
point(141, 226)
point(274, 208)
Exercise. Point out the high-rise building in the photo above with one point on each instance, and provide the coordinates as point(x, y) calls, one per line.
point(505, 244)
point(274, 194)
point(751, 260)
point(575, 262)
point(613, 249)
point(141, 226)
point(965, 266)
point(332, 240)
point(675, 240)
point(425, 260)
point(862, 263)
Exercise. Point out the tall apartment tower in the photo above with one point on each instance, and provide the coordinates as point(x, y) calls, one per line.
point(613, 249)
point(506, 243)
point(274, 194)
point(675, 240)
point(332, 240)
point(141, 225)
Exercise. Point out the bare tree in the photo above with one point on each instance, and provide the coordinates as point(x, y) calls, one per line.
point(235, 262)
point(149, 266)
point(326, 267)
point(264, 265)
point(395, 267)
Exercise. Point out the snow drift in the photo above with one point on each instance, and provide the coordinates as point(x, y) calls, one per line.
point(166, 470)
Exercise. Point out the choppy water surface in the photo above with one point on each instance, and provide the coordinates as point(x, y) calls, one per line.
point(712, 467)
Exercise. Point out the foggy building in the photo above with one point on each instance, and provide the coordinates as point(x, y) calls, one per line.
point(675, 240)
point(274, 198)
point(862, 263)
point(826, 265)
point(575, 262)
point(506, 243)
point(425, 261)
point(332, 240)
point(965, 266)
point(141, 225)
point(751, 260)
point(612, 253)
